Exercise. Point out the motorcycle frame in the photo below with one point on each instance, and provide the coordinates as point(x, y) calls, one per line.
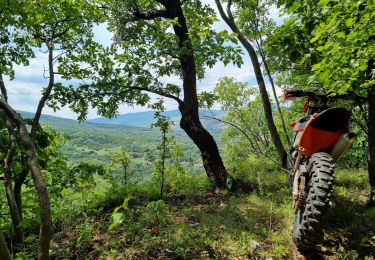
point(321, 130)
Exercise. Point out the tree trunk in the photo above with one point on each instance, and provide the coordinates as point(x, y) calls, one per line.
point(371, 143)
point(266, 104)
point(212, 162)
point(268, 71)
point(18, 182)
point(190, 122)
point(15, 213)
point(8, 170)
point(189, 105)
point(45, 233)
point(260, 80)
point(163, 164)
point(13, 209)
point(4, 252)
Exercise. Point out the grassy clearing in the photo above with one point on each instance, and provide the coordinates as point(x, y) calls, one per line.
point(195, 222)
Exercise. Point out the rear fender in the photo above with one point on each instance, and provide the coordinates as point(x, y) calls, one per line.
point(324, 130)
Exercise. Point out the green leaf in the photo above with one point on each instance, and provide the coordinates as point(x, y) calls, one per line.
point(323, 3)
point(174, 21)
point(117, 219)
point(316, 37)
point(125, 204)
point(363, 67)
point(340, 35)
point(349, 22)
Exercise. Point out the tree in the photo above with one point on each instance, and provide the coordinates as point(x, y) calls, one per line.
point(15, 171)
point(247, 132)
point(255, 23)
point(350, 46)
point(160, 39)
point(13, 50)
point(124, 158)
point(246, 42)
point(338, 45)
point(164, 123)
point(61, 28)
point(4, 252)
point(52, 163)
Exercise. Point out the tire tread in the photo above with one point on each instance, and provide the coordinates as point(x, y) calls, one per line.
point(308, 233)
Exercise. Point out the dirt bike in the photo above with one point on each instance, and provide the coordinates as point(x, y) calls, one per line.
point(320, 139)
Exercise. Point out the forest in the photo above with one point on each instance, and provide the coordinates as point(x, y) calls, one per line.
point(279, 164)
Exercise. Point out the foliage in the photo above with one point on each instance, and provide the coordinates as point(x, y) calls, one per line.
point(328, 47)
point(117, 216)
point(96, 143)
point(208, 224)
point(346, 43)
point(157, 212)
point(31, 25)
point(124, 158)
point(82, 175)
point(155, 39)
point(328, 42)
point(148, 50)
point(246, 132)
point(164, 124)
point(54, 169)
point(196, 221)
point(254, 19)
point(180, 179)
point(15, 44)
point(60, 28)
point(290, 53)
point(85, 231)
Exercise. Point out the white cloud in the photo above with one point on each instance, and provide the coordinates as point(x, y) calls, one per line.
point(23, 95)
point(35, 71)
point(212, 76)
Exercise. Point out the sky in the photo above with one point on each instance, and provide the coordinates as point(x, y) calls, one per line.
point(25, 91)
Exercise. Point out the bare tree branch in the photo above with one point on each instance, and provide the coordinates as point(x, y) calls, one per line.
point(45, 96)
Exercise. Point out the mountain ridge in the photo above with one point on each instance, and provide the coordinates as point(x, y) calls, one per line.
point(130, 122)
point(146, 118)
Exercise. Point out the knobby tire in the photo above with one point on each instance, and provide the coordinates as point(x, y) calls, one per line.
point(307, 226)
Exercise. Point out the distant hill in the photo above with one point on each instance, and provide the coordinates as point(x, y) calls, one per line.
point(93, 141)
point(130, 122)
point(70, 125)
point(145, 119)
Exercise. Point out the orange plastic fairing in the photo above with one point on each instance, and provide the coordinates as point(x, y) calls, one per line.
point(323, 130)
point(314, 140)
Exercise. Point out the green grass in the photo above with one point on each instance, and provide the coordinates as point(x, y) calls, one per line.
point(200, 223)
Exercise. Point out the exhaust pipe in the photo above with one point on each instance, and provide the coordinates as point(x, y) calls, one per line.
point(342, 145)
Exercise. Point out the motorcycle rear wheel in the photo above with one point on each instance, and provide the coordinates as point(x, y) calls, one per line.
point(307, 227)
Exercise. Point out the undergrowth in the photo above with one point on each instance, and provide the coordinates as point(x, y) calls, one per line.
point(195, 222)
